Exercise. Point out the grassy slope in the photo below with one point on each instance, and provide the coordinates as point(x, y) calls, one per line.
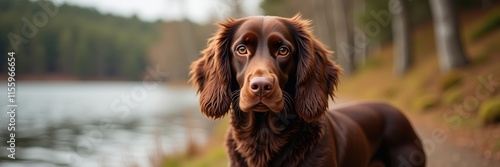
point(375, 81)
point(425, 78)
point(426, 94)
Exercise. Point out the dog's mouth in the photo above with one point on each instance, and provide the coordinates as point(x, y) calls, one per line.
point(260, 107)
point(277, 104)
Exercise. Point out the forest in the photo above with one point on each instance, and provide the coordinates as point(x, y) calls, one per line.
point(74, 41)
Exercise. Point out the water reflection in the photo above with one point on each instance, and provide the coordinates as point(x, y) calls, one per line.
point(96, 123)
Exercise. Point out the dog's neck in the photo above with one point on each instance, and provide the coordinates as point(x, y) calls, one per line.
point(268, 138)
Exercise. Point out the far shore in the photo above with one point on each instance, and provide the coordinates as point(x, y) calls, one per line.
point(69, 78)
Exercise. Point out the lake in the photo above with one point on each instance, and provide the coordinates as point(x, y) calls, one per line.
point(100, 123)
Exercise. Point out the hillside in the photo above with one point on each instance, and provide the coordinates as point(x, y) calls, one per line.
point(452, 101)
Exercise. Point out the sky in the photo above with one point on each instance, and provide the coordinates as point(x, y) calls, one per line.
point(200, 11)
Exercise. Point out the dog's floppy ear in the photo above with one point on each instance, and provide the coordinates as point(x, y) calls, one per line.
point(317, 76)
point(212, 72)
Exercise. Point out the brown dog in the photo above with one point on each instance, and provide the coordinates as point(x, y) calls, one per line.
point(276, 78)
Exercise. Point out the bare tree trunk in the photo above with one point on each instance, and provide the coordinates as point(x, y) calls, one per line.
point(448, 40)
point(329, 22)
point(237, 12)
point(401, 36)
point(360, 39)
point(189, 48)
point(321, 21)
point(343, 33)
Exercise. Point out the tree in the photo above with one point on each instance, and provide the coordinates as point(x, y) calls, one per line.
point(38, 60)
point(320, 21)
point(188, 45)
point(449, 45)
point(237, 12)
point(65, 51)
point(401, 36)
point(344, 34)
point(81, 61)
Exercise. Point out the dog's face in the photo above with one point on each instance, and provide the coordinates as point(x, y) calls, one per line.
point(261, 58)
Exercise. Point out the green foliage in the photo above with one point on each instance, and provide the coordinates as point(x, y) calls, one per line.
point(390, 93)
point(425, 102)
point(372, 63)
point(497, 145)
point(481, 58)
point(450, 80)
point(283, 8)
point(489, 111)
point(216, 157)
point(172, 162)
point(374, 18)
point(77, 41)
point(491, 24)
point(452, 96)
point(208, 155)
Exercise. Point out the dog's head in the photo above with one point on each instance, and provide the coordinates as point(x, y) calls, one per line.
point(263, 58)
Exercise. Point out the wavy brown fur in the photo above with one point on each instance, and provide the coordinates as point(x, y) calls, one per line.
point(314, 69)
point(212, 75)
point(268, 139)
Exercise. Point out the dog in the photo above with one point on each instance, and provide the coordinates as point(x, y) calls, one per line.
point(274, 78)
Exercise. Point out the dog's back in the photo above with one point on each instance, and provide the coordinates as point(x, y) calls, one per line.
point(377, 131)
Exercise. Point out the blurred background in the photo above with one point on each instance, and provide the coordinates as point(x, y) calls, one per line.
point(104, 83)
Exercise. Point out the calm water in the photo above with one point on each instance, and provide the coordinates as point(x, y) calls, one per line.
point(99, 123)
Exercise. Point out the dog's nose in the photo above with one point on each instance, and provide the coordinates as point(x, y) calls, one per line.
point(261, 86)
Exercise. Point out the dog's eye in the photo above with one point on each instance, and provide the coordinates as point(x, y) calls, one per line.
point(241, 49)
point(283, 51)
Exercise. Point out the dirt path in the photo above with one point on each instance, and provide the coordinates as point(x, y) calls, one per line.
point(442, 148)
point(444, 153)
